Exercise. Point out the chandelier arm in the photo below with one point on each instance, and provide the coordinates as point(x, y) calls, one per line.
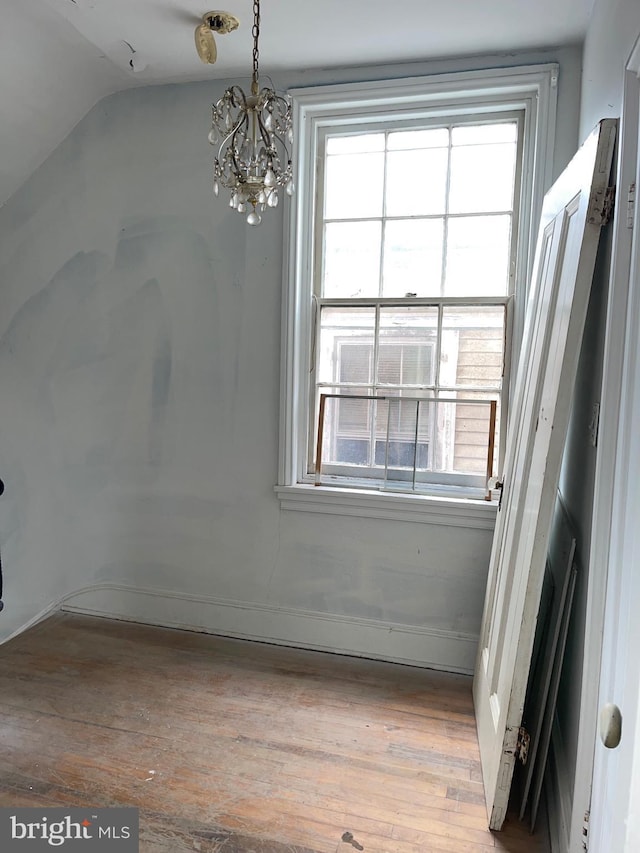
point(281, 113)
point(275, 135)
point(242, 125)
point(223, 176)
point(269, 135)
point(264, 133)
point(225, 139)
point(239, 101)
point(237, 97)
point(228, 140)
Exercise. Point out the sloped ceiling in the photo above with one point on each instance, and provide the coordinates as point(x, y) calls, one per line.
point(59, 57)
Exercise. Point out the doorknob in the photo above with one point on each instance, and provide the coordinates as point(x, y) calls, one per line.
point(610, 725)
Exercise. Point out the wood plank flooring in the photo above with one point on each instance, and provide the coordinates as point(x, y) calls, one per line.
point(227, 746)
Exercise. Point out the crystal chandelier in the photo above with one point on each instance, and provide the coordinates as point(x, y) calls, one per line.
point(252, 135)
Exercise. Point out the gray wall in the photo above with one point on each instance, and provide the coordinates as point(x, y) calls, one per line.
point(613, 31)
point(139, 373)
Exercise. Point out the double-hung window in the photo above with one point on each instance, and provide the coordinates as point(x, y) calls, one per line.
point(409, 253)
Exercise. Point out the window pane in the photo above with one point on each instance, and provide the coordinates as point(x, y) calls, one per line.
point(482, 178)
point(474, 134)
point(416, 182)
point(353, 416)
point(401, 140)
point(351, 259)
point(395, 435)
point(472, 348)
point(406, 353)
point(348, 450)
point(354, 185)
point(412, 257)
point(478, 256)
point(351, 423)
point(346, 345)
point(347, 429)
point(363, 142)
point(355, 362)
point(471, 438)
point(481, 415)
point(459, 439)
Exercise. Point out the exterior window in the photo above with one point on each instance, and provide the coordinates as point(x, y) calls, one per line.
point(413, 285)
point(409, 255)
point(357, 433)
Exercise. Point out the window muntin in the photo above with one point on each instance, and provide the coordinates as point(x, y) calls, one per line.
point(447, 234)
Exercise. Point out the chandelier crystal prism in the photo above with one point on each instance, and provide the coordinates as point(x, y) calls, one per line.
point(253, 137)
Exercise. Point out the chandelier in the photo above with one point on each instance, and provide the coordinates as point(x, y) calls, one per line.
point(252, 134)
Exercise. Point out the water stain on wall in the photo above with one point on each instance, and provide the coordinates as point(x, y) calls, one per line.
point(88, 363)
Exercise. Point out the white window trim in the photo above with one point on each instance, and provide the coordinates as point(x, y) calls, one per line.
point(529, 88)
point(403, 506)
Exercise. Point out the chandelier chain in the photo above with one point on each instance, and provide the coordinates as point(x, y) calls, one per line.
point(256, 35)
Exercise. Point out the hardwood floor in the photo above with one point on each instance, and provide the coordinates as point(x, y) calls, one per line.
point(227, 746)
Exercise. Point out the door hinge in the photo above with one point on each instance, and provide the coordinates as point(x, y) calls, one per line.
point(522, 746)
point(600, 207)
point(585, 831)
point(631, 205)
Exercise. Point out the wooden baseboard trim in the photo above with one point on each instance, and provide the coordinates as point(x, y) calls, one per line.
point(435, 649)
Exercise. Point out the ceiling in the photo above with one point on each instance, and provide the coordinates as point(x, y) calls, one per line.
point(59, 57)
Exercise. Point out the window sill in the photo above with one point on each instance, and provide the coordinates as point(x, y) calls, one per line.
point(426, 509)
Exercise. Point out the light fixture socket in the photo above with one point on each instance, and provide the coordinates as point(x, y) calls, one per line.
point(213, 22)
point(220, 22)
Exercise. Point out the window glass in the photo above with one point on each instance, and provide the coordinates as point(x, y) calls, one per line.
point(478, 254)
point(352, 259)
point(407, 340)
point(416, 182)
point(412, 257)
point(418, 213)
point(362, 143)
point(354, 185)
point(482, 178)
point(471, 353)
point(401, 140)
point(346, 345)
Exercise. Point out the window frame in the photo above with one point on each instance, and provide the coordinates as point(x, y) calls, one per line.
point(530, 89)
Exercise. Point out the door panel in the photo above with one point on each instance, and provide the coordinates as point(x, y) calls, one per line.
point(559, 296)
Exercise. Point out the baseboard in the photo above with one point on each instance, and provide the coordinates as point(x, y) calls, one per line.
point(558, 788)
point(444, 650)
